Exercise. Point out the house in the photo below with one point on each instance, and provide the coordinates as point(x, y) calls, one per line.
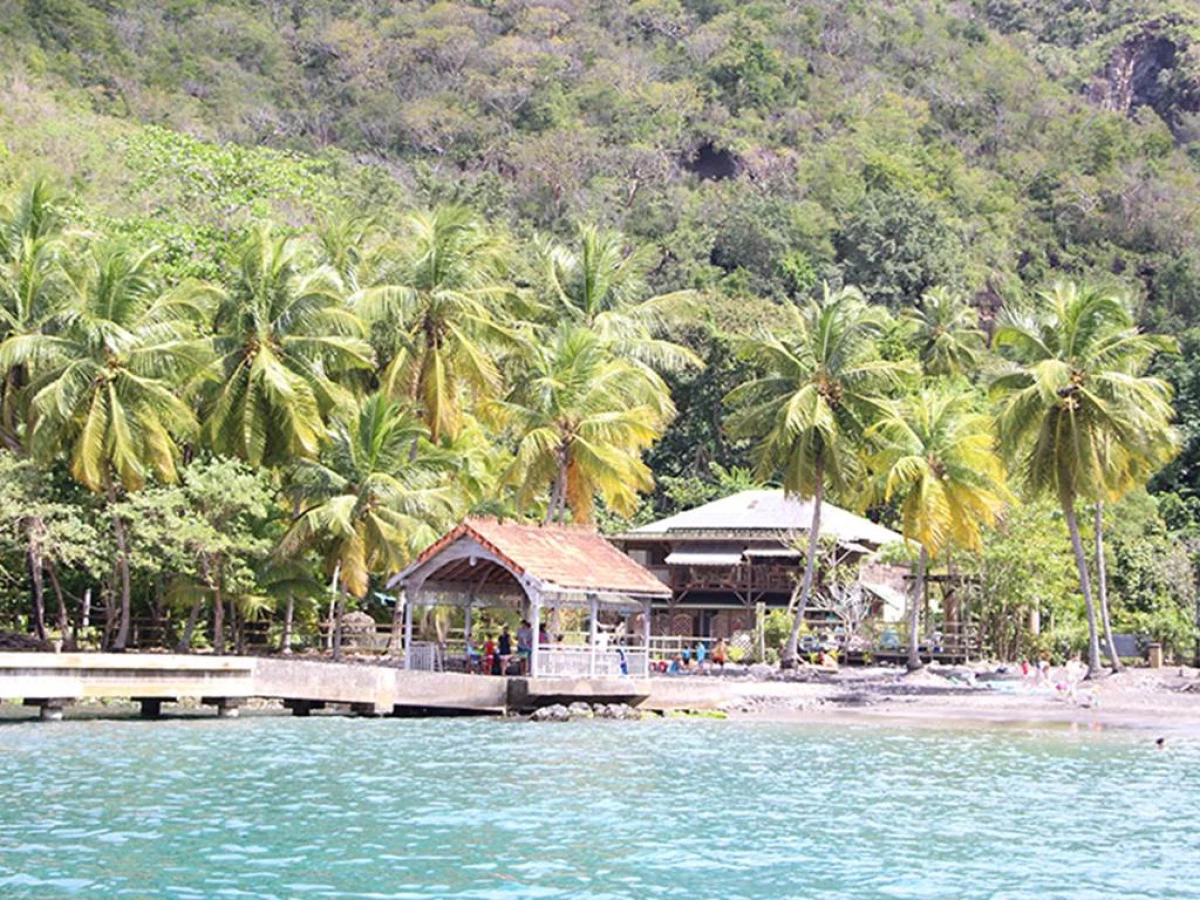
point(722, 559)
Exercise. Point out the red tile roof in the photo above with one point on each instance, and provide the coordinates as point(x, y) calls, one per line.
point(565, 556)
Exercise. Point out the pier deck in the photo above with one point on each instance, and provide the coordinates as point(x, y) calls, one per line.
point(52, 681)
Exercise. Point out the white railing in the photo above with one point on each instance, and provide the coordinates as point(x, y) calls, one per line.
point(425, 656)
point(560, 660)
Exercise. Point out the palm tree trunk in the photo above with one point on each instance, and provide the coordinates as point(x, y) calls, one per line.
point(810, 567)
point(1110, 646)
point(1085, 585)
point(558, 494)
point(395, 639)
point(289, 614)
point(237, 628)
point(64, 618)
point(218, 618)
point(337, 623)
point(914, 612)
point(189, 628)
point(122, 568)
point(33, 558)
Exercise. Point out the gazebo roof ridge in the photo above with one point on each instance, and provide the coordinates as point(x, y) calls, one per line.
point(557, 558)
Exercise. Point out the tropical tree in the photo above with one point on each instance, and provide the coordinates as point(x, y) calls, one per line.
point(600, 283)
point(1126, 468)
point(441, 307)
point(284, 340)
point(941, 464)
point(947, 334)
point(1075, 408)
point(31, 282)
point(582, 419)
point(818, 394)
point(105, 380)
point(369, 504)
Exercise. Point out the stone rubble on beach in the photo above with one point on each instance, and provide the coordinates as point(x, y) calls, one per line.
point(558, 712)
point(772, 703)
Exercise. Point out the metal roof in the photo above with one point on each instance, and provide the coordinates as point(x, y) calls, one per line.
point(767, 513)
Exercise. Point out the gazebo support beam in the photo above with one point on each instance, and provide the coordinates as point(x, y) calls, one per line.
point(410, 600)
point(593, 612)
point(535, 622)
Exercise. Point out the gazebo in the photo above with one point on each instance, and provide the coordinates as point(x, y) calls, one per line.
point(537, 568)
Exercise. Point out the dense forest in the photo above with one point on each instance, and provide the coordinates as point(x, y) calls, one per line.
point(290, 286)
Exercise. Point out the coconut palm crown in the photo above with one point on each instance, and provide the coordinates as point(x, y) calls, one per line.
point(582, 419)
point(107, 369)
point(284, 342)
point(442, 310)
point(947, 334)
point(369, 503)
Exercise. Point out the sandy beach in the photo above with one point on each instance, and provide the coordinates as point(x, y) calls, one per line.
point(1166, 701)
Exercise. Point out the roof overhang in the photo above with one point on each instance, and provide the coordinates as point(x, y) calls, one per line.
point(705, 555)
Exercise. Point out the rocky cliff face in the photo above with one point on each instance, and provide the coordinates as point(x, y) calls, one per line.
point(1155, 68)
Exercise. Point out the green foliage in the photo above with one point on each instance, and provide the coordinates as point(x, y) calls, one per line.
point(944, 159)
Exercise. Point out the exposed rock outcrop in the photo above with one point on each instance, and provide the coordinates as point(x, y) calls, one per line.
point(1153, 68)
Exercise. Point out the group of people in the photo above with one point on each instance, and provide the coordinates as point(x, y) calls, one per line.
point(695, 659)
point(498, 656)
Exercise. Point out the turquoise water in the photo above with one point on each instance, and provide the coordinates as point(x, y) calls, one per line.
point(332, 807)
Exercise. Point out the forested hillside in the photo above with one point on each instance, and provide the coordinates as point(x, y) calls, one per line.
point(757, 154)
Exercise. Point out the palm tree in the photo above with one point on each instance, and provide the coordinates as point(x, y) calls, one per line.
point(940, 457)
point(31, 283)
point(1074, 403)
point(368, 505)
point(813, 404)
point(582, 419)
point(1125, 470)
point(105, 378)
point(283, 340)
point(947, 334)
point(600, 284)
point(441, 307)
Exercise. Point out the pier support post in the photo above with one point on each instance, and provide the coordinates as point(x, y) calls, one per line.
point(303, 708)
point(50, 709)
point(151, 707)
point(371, 709)
point(227, 707)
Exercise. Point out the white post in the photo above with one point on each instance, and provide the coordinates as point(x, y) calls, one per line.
point(410, 597)
point(593, 609)
point(646, 606)
point(467, 621)
point(535, 621)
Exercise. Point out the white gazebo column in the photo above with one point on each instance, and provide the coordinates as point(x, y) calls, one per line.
point(593, 631)
point(467, 620)
point(535, 622)
point(410, 598)
point(646, 611)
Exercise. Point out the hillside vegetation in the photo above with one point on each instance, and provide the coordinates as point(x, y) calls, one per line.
point(757, 154)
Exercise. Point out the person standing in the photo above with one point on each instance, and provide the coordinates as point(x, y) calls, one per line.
point(505, 649)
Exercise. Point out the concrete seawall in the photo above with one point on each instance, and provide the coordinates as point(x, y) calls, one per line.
point(53, 681)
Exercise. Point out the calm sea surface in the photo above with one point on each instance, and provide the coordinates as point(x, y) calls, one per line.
point(333, 807)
